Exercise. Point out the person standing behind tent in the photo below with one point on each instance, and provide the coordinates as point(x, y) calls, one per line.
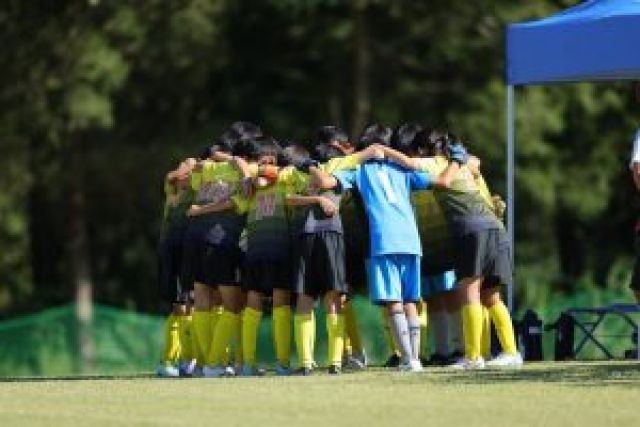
point(634, 165)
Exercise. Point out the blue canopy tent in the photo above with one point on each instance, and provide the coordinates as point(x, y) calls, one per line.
point(594, 41)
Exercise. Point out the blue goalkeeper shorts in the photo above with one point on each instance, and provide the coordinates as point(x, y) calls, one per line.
point(394, 278)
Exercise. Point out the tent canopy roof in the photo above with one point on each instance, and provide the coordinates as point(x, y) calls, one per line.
point(595, 40)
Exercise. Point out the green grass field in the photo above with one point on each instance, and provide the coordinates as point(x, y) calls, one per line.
point(567, 394)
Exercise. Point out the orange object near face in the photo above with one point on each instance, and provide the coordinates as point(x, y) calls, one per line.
point(270, 172)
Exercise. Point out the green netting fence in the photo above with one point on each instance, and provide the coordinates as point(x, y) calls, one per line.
point(129, 342)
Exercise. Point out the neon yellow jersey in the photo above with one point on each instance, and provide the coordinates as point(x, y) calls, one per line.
point(467, 203)
point(268, 235)
point(435, 235)
point(216, 183)
point(177, 200)
point(351, 161)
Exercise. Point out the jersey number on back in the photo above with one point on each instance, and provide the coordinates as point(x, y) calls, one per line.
point(386, 186)
point(266, 205)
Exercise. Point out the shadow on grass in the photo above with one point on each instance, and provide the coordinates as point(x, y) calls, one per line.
point(76, 378)
point(582, 374)
point(566, 373)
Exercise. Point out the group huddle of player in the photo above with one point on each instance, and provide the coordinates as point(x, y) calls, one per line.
point(251, 224)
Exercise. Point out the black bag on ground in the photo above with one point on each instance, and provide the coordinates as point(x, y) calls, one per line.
point(564, 341)
point(530, 334)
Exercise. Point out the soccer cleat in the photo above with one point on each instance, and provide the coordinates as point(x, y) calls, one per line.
point(468, 364)
point(357, 361)
point(165, 370)
point(187, 368)
point(393, 361)
point(334, 370)
point(506, 361)
point(250, 371)
point(282, 371)
point(411, 366)
point(216, 372)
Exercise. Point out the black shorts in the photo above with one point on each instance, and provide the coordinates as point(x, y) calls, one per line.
point(318, 265)
point(437, 262)
point(170, 287)
point(221, 265)
point(635, 279)
point(266, 275)
point(208, 263)
point(485, 253)
point(354, 260)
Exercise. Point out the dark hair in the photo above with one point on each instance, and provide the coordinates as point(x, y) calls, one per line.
point(294, 153)
point(246, 131)
point(224, 143)
point(403, 138)
point(434, 142)
point(375, 134)
point(329, 134)
point(324, 152)
point(227, 140)
point(204, 153)
point(254, 149)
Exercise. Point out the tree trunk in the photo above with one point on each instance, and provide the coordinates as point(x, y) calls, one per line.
point(361, 70)
point(80, 263)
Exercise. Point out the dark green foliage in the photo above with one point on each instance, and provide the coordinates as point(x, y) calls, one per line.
point(99, 99)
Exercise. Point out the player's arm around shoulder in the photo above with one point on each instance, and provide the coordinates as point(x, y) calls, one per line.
point(352, 161)
point(458, 157)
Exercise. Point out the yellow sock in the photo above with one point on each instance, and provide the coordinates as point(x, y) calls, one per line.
point(312, 336)
point(282, 333)
point(335, 338)
point(302, 324)
point(201, 335)
point(237, 343)
point(171, 350)
point(226, 329)
point(250, 324)
point(351, 328)
point(472, 330)
point(347, 350)
point(214, 316)
point(504, 328)
point(424, 323)
point(386, 329)
point(486, 334)
point(186, 339)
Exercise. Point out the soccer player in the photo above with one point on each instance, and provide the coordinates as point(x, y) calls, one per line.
point(223, 216)
point(438, 279)
point(267, 267)
point(356, 238)
point(481, 249)
point(178, 200)
point(211, 256)
point(319, 264)
point(394, 265)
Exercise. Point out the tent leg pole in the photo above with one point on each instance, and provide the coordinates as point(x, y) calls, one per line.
point(510, 185)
